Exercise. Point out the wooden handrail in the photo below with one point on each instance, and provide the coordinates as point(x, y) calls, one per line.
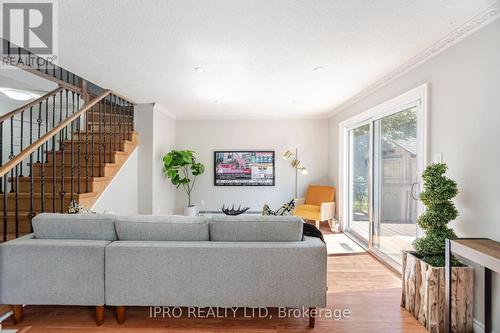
point(30, 104)
point(34, 146)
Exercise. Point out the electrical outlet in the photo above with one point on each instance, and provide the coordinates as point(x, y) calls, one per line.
point(437, 158)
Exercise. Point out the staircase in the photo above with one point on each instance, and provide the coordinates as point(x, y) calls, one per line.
point(65, 146)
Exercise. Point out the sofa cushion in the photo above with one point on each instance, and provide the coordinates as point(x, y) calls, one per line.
point(256, 228)
point(162, 228)
point(75, 226)
point(309, 212)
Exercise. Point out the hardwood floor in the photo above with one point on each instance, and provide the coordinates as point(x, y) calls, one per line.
point(358, 283)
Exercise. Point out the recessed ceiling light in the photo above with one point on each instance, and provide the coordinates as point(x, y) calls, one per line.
point(199, 69)
point(18, 95)
point(318, 68)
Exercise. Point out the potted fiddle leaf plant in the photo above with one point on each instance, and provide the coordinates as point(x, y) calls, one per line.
point(181, 167)
point(423, 271)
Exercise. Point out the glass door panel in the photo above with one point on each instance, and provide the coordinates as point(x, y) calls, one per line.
point(395, 173)
point(359, 181)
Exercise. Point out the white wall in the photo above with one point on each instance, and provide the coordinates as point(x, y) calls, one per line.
point(464, 121)
point(164, 136)
point(156, 137)
point(121, 195)
point(144, 126)
point(206, 136)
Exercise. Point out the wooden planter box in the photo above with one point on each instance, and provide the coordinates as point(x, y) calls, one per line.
point(423, 294)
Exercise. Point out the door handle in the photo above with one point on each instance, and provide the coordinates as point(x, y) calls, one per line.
point(413, 192)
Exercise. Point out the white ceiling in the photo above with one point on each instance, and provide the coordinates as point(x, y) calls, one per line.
point(258, 55)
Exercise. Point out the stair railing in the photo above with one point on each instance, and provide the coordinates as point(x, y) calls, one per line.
point(77, 144)
point(20, 57)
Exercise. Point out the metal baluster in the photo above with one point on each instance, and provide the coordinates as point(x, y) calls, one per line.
point(72, 148)
point(54, 154)
point(100, 137)
point(16, 182)
point(4, 187)
point(39, 121)
point(87, 151)
point(60, 114)
point(104, 130)
point(92, 137)
point(5, 209)
point(110, 129)
point(121, 119)
point(31, 213)
point(22, 135)
point(67, 114)
point(44, 153)
point(113, 132)
point(79, 142)
point(36, 60)
point(130, 120)
point(11, 156)
point(42, 181)
point(62, 144)
point(127, 121)
point(63, 147)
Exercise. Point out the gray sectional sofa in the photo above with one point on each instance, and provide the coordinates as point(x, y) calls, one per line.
point(98, 260)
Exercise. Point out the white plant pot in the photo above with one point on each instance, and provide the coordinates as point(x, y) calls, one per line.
point(190, 211)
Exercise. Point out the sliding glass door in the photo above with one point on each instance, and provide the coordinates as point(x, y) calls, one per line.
point(384, 158)
point(359, 181)
point(395, 173)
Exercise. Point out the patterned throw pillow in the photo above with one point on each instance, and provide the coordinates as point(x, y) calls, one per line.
point(286, 209)
point(75, 208)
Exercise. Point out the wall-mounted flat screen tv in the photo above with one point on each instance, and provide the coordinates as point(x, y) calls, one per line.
point(244, 168)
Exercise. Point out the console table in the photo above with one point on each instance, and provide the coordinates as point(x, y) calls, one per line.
point(482, 251)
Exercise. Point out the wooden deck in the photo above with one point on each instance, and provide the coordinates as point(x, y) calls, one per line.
point(356, 282)
point(393, 238)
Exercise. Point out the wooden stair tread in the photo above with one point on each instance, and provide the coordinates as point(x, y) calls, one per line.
point(121, 141)
point(58, 165)
point(49, 194)
point(68, 151)
point(66, 178)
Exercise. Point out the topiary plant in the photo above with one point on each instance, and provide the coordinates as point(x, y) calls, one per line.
point(181, 167)
point(440, 210)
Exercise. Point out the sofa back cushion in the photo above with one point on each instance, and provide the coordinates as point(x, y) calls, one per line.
point(75, 226)
point(162, 228)
point(256, 228)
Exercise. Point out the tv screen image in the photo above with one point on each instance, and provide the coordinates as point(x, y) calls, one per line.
point(244, 168)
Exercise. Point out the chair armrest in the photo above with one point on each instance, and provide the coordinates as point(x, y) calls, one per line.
point(299, 201)
point(327, 210)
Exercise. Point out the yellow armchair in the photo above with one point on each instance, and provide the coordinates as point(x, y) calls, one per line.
point(318, 205)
